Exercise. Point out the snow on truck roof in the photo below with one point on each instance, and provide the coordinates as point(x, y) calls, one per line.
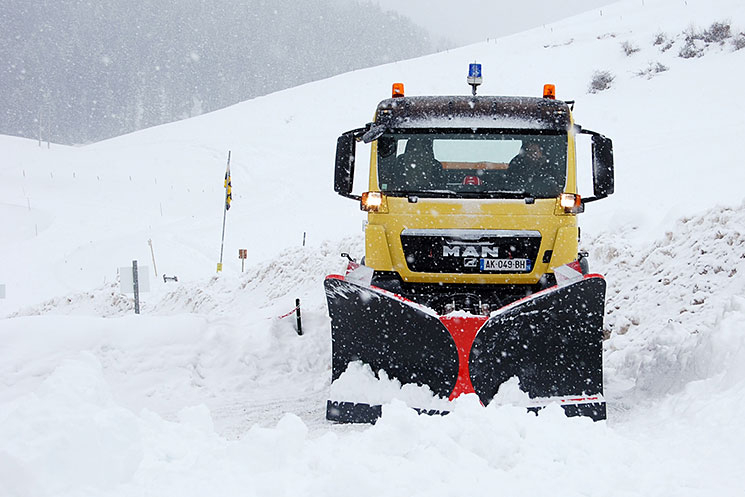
point(474, 112)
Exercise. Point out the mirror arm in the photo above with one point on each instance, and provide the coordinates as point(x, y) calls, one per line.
point(373, 131)
point(357, 133)
point(584, 131)
point(592, 199)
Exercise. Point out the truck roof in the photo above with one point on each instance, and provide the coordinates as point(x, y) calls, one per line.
point(474, 112)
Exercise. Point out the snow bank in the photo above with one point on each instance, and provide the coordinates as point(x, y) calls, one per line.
point(293, 273)
point(69, 434)
point(670, 304)
point(104, 449)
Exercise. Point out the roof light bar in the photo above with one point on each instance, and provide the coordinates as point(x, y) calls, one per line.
point(549, 91)
point(474, 76)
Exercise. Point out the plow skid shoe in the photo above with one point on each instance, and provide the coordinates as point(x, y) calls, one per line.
point(551, 341)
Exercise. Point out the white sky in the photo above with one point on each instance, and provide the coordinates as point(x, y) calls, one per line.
point(470, 21)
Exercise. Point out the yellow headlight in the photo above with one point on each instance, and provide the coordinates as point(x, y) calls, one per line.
point(571, 203)
point(373, 202)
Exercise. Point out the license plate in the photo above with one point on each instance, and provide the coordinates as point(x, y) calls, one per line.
point(514, 265)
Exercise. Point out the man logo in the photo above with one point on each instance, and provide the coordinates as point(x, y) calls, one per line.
point(470, 251)
point(470, 262)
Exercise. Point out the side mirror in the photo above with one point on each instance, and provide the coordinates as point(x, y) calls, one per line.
point(345, 155)
point(602, 166)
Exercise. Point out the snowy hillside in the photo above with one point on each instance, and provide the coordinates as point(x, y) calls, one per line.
point(208, 391)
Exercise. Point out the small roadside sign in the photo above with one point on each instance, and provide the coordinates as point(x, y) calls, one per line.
point(126, 279)
point(243, 255)
point(134, 280)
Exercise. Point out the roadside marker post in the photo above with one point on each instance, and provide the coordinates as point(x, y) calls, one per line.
point(134, 280)
point(136, 285)
point(152, 252)
point(226, 206)
point(298, 320)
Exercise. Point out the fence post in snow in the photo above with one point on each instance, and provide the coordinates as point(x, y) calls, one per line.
point(136, 287)
point(152, 252)
point(297, 315)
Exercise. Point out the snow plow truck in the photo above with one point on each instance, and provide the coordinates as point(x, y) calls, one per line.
point(471, 274)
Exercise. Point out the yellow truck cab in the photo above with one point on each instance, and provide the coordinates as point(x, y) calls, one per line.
point(472, 200)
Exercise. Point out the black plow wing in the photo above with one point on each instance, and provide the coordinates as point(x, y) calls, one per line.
point(551, 341)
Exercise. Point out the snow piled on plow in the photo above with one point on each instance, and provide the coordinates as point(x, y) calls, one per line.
point(359, 384)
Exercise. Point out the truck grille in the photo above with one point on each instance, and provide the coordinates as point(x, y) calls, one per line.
point(462, 251)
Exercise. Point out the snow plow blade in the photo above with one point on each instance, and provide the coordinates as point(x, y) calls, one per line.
point(551, 341)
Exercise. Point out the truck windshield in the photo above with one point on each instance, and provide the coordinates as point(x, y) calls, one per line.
point(473, 164)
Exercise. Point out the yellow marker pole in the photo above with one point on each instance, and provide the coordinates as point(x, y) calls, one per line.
point(226, 206)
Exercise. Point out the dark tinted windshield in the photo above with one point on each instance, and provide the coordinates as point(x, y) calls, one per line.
point(473, 163)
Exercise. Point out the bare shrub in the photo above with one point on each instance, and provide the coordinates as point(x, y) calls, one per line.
point(738, 41)
point(692, 33)
point(629, 48)
point(601, 80)
point(652, 69)
point(717, 32)
point(692, 48)
point(663, 41)
point(667, 45)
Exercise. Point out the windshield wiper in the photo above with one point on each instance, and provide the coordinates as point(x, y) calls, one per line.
point(507, 193)
point(423, 193)
point(529, 198)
